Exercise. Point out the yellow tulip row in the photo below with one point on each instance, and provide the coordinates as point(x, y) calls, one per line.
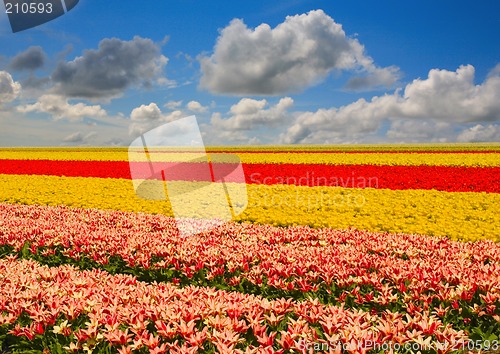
point(460, 216)
point(300, 148)
point(390, 159)
point(64, 155)
point(365, 147)
point(381, 158)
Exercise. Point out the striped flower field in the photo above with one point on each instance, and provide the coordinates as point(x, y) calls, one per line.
point(369, 249)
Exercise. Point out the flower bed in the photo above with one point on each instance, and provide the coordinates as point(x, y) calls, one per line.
point(63, 308)
point(490, 158)
point(458, 283)
point(443, 178)
point(311, 265)
point(459, 216)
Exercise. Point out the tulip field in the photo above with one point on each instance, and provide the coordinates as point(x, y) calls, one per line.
point(339, 249)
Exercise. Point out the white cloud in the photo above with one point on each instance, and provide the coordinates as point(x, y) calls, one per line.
point(163, 81)
point(196, 107)
point(495, 71)
point(248, 106)
point(296, 54)
point(374, 77)
point(451, 96)
point(413, 131)
point(172, 104)
point(9, 89)
point(79, 138)
point(248, 114)
point(445, 96)
point(348, 122)
point(214, 137)
point(59, 108)
point(241, 124)
point(145, 113)
point(22, 130)
point(480, 133)
point(145, 118)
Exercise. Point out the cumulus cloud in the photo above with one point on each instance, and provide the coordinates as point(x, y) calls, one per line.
point(196, 107)
point(413, 131)
point(115, 66)
point(354, 120)
point(31, 59)
point(374, 77)
point(9, 89)
point(445, 96)
point(451, 96)
point(146, 113)
point(147, 117)
point(249, 113)
point(480, 133)
point(296, 54)
point(173, 104)
point(241, 124)
point(79, 138)
point(59, 108)
point(212, 137)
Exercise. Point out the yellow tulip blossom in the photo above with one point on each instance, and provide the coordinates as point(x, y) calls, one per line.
point(478, 159)
point(458, 215)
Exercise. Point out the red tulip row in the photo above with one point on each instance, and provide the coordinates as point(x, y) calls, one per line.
point(92, 310)
point(444, 178)
point(369, 268)
point(322, 150)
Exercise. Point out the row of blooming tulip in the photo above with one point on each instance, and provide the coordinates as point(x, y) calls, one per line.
point(436, 148)
point(460, 216)
point(477, 159)
point(444, 178)
point(359, 270)
point(375, 148)
point(51, 309)
point(407, 159)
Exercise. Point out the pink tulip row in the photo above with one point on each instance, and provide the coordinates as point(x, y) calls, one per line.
point(129, 314)
point(412, 268)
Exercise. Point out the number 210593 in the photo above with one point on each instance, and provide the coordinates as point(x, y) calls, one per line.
point(25, 8)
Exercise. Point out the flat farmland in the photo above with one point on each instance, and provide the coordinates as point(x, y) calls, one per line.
point(341, 249)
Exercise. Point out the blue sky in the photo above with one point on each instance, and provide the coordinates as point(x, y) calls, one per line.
point(255, 72)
